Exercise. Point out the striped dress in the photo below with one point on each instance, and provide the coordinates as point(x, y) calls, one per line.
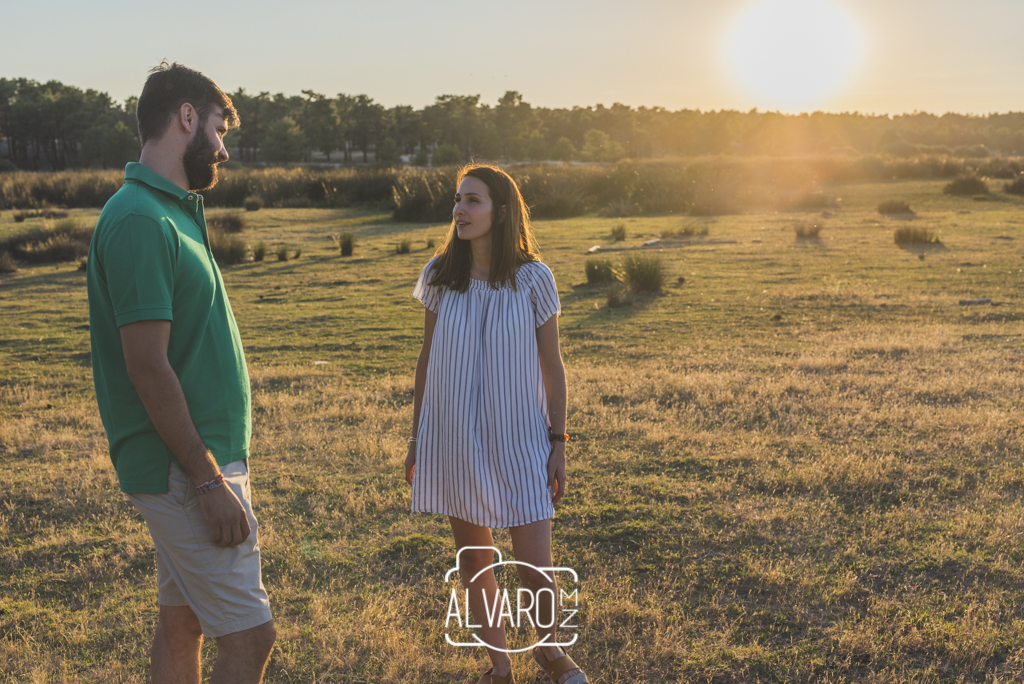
point(482, 445)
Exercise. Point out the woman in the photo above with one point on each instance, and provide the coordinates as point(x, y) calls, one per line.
point(489, 411)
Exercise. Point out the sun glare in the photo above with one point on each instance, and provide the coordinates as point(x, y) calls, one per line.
point(793, 54)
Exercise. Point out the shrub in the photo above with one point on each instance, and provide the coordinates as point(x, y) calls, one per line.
point(66, 240)
point(431, 243)
point(447, 155)
point(599, 271)
point(282, 253)
point(404, 246)
point(232, 222)
point(890, 207)
point(619, 233)
point(298, 253)
point(644, 272)
point(911, 235)
point(346, 243)
point(966, 185)
point(421, 158)
point(83, 263)
point(807, 231)
point(619, 295)
point(7, 263)
point(253, 203)
point(19, 216)
point(1016, 186)
point(227, 249)
point(259, 251)
point(424, 195)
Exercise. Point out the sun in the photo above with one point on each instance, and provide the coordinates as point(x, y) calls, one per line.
point(793, 54)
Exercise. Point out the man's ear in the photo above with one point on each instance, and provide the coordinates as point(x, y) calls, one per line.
point(188, 118)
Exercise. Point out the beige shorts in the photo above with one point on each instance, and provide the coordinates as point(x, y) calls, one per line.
point(223, 586)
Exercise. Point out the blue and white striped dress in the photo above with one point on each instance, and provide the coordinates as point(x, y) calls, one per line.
point(482, 445)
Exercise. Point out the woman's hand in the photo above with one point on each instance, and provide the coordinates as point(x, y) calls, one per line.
point(410, 462)
point(556, 471)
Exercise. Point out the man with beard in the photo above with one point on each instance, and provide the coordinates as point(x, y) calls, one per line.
point(172, 384)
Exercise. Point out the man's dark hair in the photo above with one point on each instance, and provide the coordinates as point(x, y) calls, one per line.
point(167, 88)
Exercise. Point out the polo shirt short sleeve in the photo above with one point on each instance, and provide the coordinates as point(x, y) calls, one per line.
point(150, 259)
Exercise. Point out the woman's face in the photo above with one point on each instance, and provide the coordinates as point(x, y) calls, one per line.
point(472, 212)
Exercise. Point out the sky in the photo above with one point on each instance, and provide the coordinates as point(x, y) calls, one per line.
point(909, 55)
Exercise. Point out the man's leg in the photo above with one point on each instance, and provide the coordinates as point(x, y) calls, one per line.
point(242, 657)
point(175, 655)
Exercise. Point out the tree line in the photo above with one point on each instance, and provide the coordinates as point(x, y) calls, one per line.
point(56, 126)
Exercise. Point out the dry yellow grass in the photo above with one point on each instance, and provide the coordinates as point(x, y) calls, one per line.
point(803, 464)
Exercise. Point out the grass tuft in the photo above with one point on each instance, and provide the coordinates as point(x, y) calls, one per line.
point(894, 207)
point(807, 231)
point(66, 240)
point(282, 253)
point(619, 233)
point(599, 271)
point(231, 222)
point(966, 185)
point(346, 243)
point(253, 203)
point(228, 249)
point(404, 246)
point(915, 235)
point(259, 251)
point(7, 263)
point(644, 272)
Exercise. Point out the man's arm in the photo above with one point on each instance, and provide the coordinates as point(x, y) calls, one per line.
point(145, 353)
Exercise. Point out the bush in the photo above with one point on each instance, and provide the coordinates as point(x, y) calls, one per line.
point(421, 158)
point(404, 246)
point(232, 222)
point(644, 272)
point(252, 203)
point(1016, 186)
point(431, 243)
point(966, 185)
point(807, 231)
point(7, 263)
point(346, 243)
point(599, 271)
point(446, 155)
point(83, 263)
point(424, 195)
point(66, 240)
point(282, 253)
point(619, 233)
point(298, 253)
point(910, 235)
point(259, 251)
point(227, 249)
point(890, 207)
point(619, 295)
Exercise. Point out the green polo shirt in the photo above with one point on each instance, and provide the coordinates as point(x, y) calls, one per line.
point(150, 259)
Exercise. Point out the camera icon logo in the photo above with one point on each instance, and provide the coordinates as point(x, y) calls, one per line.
point(513, 608)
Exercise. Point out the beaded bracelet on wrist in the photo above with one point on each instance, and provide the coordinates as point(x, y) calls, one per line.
point(558, 438)
point(210, 485)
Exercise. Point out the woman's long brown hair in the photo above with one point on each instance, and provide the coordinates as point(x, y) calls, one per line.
point(512, 240)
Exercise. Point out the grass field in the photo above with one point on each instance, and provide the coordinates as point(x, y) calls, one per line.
point(801, 463)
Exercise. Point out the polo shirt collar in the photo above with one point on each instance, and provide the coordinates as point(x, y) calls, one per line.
point(135, 171)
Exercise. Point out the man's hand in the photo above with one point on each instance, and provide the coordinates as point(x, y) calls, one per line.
point(229, 526)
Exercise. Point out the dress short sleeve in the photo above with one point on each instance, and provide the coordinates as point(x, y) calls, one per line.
point(430, 295)
point(543, 294)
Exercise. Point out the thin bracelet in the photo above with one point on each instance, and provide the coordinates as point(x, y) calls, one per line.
point(412, 440)
point(210, 485)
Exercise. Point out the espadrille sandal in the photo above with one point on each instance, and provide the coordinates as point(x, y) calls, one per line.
point(488, 678)
point(561, 670)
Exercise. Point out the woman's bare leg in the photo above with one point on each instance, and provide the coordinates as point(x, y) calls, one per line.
point(532, 544)
point(470, 563)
